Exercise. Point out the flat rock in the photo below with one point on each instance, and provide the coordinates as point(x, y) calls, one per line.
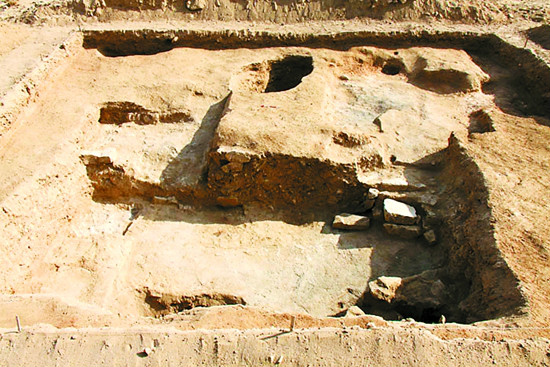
point(399, 213)
point(403, 231)
point(385, 288)
point(351, 222)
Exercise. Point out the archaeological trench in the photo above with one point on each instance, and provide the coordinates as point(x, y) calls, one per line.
point(325, 197)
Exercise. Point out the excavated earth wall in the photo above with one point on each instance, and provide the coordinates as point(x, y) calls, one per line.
point(487, 288)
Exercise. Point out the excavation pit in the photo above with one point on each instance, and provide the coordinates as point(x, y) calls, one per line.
point(202, 195)
point(287, 73)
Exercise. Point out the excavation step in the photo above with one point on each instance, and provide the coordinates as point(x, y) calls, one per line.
point(351, 222)
point(399, 213)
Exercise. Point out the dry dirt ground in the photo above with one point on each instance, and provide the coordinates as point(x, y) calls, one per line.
point(169, 176)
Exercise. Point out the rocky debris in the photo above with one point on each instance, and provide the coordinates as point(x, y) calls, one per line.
point(351, 222)
point(354, 311)
point(424, 290)
point(90, 158)
point(430, 237)
point(385, 288)
point(124, 112)
point(403, 231)
point(419, 296)
point(400, 213)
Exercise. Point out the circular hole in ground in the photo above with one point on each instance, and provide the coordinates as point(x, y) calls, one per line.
point(288, 72)
point(391, 69)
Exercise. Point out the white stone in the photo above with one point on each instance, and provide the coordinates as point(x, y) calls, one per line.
point(373, 194)
point(399, 213)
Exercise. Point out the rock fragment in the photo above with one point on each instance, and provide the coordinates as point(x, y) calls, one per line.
point(430, 237)
point(97, 157)
point(384, 288)
point(403, 231)
point(399, 213)
point(237, 157)
point(373, 194)
point(354, 311)
point(351, 222)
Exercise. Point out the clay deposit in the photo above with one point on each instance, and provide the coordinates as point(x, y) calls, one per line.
point(189, 191)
